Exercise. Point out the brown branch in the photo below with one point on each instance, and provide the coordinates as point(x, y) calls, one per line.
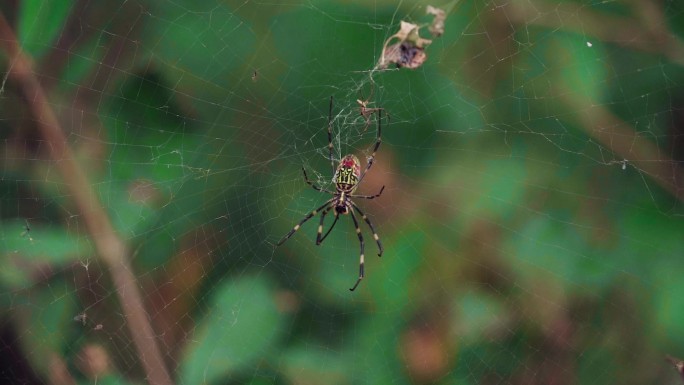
point(618, 136)
point(615, 29)
point(107, 243)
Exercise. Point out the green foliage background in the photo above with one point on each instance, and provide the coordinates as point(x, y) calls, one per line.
point(520, 247)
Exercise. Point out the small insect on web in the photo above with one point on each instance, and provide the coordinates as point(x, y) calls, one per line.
point(366, 111)
point(347, 177)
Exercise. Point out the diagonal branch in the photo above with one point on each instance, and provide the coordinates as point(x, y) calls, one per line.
point(109, 246)
point(581, 19)
point(622, 139)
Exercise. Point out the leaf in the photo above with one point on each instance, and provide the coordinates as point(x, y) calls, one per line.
point(582, 69)
point(409, 51)
point(308, 360)
point(42, 321)
point(546, 249)
point(503, 184)
point(39, 24)
point(477, 315)
point(376, 335)
point(208, 45)
point(82, 62)
point(27, 256)
point(597, 365)
point(394, 272)
point(242, 326)
point(108, 379)
point(668, 304)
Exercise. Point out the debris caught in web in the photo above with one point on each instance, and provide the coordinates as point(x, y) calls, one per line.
point(27, 232)
point(677, 363)
point(81, 318)
point(408, 48)
point(437, 26)
point(409, 51)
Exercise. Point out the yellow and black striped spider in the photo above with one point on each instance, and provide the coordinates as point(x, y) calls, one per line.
point(347, 176)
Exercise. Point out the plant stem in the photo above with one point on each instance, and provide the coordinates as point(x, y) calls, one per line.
point(622, 139)
point(108, 245)
point(621, 30)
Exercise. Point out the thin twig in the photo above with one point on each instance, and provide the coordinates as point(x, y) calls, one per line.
point(581, 19)
point(618, 136)
point(107, 243)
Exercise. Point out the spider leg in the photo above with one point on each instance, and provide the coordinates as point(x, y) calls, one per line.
point(298, 225)
point(386, 113)
point(375, 149)
point(358, 232)
point(369, 196)
point(366, 117)
point(320, 239)
point(310, 183)
point(368, 222)
point(330, 143)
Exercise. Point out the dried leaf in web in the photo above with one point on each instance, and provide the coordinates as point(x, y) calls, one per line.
point(405, 55)
point(678, 364)
point(437, 26)
point(409, 51)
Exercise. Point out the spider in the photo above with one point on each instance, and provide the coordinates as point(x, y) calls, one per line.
point(366, 111)
point(347, 176)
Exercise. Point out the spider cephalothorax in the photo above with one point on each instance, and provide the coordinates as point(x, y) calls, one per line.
point(346, 176)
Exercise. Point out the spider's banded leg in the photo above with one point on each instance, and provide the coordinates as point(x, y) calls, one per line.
point(330, 144)
point(298, 225)
point(321, 239)
point(310, 183)
point(367, 113)
point(366, 118)
point(358, 232)
point(369, 196)
point(375, 149)
point(368, 222)
point(320, 225)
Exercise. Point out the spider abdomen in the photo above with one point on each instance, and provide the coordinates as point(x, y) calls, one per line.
point(347, 174)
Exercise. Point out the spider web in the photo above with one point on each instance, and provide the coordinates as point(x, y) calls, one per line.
point(531, 217)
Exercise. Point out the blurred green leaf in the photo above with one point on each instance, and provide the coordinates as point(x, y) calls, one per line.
point(200, 51)
point(546, 248)
point(476, 314)
point(309, 360)
point(391, 277)
point(501, 187)
point(129, 215)
point(109, 379)
point(582, 67)
point(242, 325)
point(597, 365)
point(81, 63)
point(374, 352)
point(668, 303)
point(150, 131)
point(26, 256)
point(40, 23)
point(42, 319)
